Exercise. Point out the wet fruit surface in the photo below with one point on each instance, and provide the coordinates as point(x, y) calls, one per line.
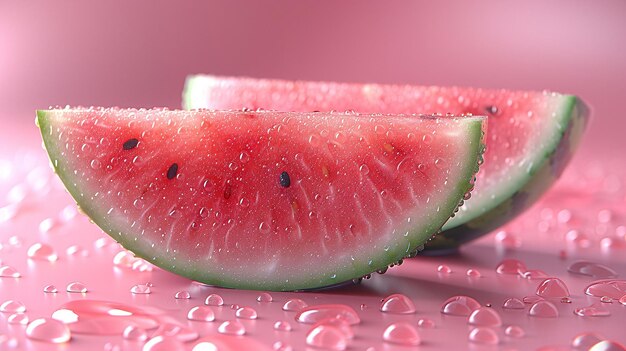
point(102, 313)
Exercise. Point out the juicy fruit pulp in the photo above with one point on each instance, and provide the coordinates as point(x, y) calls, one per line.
point(264, 200)
point(531, 136)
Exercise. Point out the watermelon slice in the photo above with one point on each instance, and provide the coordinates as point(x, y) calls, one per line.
point(264, 200)
point(532, 135)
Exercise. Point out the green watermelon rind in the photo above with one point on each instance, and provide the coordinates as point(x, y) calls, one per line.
point(417, 237)
point(550, 162)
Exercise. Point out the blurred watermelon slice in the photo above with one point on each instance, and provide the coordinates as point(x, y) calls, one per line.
point(532, 135)
point(264, 200)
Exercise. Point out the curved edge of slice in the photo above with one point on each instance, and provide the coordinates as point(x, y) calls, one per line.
point(549, 163)
point(418, 236)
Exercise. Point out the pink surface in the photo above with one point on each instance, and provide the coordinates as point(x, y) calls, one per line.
point(138, 53)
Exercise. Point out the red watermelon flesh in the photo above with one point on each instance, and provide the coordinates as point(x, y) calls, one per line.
point(264, 200)
point(532, 135)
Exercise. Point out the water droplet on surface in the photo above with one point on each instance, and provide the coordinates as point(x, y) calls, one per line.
point(513, 304)
point(584, 341)
point(48, 330)
point(606, 299)
point(591, 269)
point(543, 309)
point(104, 318)
point(483, 335)
point(140, 289)
point(134, 333)
point(552, 288)
point(612, 288)
point(178, 331)
point(12, 306)
point(531, 299)
point(282, 326)
point(18, 318)
point(485, 317)
point(281, 346)
point(398, 303)
point(214, 300)
point(507, 240)
point(535, 274)
point(246, 313)
point(511, 266)
point(294, 305)
point(459, 306)
point(95, 164)
point(232, 328)
point(163, 343)
point(264, 297)
point(473, 273)
point(44, 252)
point(326, 337)
point(425, 323)
point(316, 313)
point(182, 295)
point(9, 272)
point(443, 269)
point(402, 333)
point(595, 310)
point(608, 345)
point(264, 228)
point(622, 300)
point(201, 313)
point(514, 331)
point(566, 300)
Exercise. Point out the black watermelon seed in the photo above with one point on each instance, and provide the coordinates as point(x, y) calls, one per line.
point(130, 144)
point(284, 179)
point(171, 172)
point(491, 109)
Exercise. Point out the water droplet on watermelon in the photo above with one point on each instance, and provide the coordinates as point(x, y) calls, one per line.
point(364, 169)
point(243, 202)
point(316, 313)
point(264, 297)
point(543, 309)
point(398, 303)
point(232, 328)
point(50, 289)
point(18, 319)
point(9, 272)
point(95, 164)
point(246, 313)
point(294, 305)
point(214, 300)
point(402, 333)
point(595, 310)
point(134, 333)
point(182, 295)
point(552, 288)
point(12, 306)
point(511, 266)
point(513, 304)
point(483, 335)
point(459, 306)
point(282, 326)
point(427, 138)
point(326, 337)
point(585, 341)
point(201, 313)
point(485, 317)
point(443, 269)
point(514, 331)
point(44, 252)
point(48, 330)
point(264, 228)
point(244, 157)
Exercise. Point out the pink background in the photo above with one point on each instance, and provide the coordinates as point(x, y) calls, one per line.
point(137, 53)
